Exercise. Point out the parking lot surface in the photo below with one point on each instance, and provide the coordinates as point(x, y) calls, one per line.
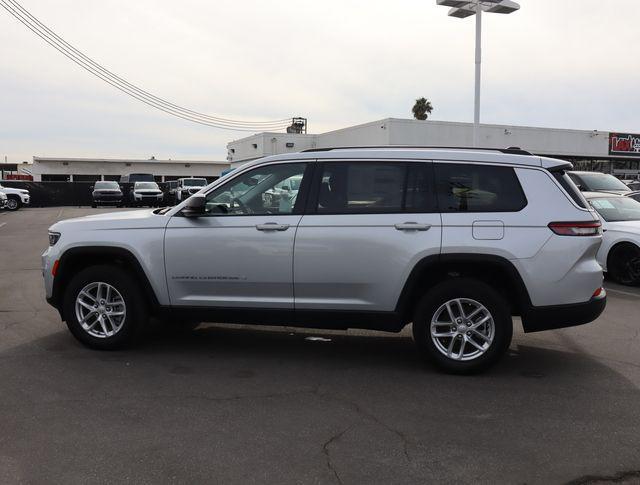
point(270, 405)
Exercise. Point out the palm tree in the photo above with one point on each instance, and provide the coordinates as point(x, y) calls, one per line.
point(422, 109)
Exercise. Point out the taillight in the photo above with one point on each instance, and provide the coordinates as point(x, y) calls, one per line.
point(54, 268)
point(576, 228)
point(599, 293)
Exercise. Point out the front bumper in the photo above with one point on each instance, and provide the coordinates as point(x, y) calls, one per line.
point(537, 319)
point(26, 200)
point(107, 199)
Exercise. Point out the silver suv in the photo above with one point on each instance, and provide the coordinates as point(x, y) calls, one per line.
point(455, 241)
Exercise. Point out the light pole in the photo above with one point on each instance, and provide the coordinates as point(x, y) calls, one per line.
point(465, 8)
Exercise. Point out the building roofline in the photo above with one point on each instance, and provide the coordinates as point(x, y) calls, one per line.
point(125, 160)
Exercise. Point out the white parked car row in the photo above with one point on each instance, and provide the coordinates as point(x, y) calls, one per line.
point(15, 198)
point(619, 254)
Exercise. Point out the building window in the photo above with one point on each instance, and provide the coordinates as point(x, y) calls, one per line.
point(86, 178)
point(55, 178)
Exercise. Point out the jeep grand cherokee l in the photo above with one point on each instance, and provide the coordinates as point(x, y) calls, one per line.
point(454, 241)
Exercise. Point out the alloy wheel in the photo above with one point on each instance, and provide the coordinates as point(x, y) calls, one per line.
point(100, 310)
point(462, 329)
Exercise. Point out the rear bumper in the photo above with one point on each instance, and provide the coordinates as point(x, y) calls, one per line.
point(537, 319)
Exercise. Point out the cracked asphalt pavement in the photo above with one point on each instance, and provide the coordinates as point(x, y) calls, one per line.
point(240, 404)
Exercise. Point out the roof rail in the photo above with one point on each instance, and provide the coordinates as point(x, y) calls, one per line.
point(510, 150)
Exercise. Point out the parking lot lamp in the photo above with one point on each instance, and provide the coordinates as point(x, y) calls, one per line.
point(464, 8)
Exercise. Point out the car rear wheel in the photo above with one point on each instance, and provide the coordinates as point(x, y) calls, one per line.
point(104, 307)
point(462, 325)
point(623, 264)
point(13, 203)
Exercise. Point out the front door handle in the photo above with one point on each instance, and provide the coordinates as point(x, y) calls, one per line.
point(272, 226)
point(412, 226)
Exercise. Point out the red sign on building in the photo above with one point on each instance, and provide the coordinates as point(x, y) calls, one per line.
point(625, 144)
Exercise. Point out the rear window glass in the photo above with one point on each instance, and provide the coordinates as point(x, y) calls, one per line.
point(478, 188)
point(602, 181)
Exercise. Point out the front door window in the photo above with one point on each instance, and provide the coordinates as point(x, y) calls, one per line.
point(271, 189)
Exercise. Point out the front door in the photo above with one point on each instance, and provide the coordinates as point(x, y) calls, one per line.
point(240, 253)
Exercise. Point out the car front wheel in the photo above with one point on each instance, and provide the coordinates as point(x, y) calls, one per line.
point(104, 307)
point(462, 325)
point(13, 203)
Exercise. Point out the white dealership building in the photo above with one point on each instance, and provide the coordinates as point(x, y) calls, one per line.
point(64, 169)
point(589, 149)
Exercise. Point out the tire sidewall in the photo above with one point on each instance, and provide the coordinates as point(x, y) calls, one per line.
point(614, 260)
point(12, 199)
point(126, 284)
point(462, 288)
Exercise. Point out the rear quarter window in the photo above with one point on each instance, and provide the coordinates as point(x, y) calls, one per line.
point(567, 183)
point(478, 188)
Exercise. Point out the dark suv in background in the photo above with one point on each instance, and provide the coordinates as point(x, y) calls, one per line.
point(106, 193)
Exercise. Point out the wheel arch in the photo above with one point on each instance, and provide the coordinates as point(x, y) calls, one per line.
point(494, 270)
point(76, 259)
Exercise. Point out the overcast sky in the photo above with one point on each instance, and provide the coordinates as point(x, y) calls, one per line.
point(555, 63)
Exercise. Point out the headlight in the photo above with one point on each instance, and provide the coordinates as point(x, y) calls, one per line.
point(53, 238)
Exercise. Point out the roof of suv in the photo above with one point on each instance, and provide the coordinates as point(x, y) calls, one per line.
point(512, 156)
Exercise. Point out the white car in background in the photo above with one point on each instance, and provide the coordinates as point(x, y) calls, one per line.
point(16, 198)
point(147, 193)
point(619, 254)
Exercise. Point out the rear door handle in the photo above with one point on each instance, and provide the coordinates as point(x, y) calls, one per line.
point(272, 226)
point(412, 226)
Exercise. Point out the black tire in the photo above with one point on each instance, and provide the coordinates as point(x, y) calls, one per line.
point(623, 264)
point(129, 288)
point(471, 289)
point(13, 202)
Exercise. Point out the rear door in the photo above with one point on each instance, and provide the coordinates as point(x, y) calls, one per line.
point(366, 225)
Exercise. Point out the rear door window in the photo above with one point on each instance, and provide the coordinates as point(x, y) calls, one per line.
point(364, 187)
point(478, 188)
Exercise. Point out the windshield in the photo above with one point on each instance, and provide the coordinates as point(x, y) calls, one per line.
point(601, 181)
point(617, 209)
point(106, 185)
point(194, 182)
point(147, 185)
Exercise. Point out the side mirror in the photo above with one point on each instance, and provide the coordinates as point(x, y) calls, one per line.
point(195, 206)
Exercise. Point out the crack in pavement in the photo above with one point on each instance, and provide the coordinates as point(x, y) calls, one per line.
point(325, 450)
point(372, 418)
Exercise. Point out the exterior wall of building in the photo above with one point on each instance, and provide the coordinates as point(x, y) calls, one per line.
point(375, 133)
point(112, 168)
point(570, 144)
point(265, 144)
point(541, 141)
